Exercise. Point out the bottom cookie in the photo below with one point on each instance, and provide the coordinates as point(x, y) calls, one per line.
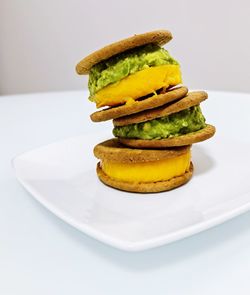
point(146, 187)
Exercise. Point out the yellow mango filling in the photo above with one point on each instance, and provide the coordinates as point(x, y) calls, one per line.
point(148, 171)
point(137, 85)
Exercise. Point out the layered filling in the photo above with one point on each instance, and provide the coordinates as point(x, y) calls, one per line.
point(183, 122)
point(132, 74)
point(161, 170)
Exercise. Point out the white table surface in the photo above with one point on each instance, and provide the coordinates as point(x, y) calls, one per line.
point(40, 254)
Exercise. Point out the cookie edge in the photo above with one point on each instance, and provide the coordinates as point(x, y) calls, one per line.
point(159, 37)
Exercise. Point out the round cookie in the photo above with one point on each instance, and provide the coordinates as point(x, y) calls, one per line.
point(150, 187)
point(181, 140)
point(159, 37)
point(192, 99)
point(113, 150)
point(140, 105)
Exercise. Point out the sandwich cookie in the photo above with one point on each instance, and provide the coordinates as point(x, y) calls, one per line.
point(137, 84)
point(130, 69)
point(177, 124)
point(142, 170)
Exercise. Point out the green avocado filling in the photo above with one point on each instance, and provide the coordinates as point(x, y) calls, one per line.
point(129, 62)
point(176, 124)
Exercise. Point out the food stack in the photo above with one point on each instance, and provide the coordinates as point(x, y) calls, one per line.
point(156, 119)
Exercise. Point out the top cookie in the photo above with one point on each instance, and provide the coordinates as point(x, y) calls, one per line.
point(159, 37)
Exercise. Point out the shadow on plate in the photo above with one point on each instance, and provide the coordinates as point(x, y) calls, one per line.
point(203, 162)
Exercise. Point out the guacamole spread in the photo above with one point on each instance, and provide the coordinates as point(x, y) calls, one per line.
point(121, 65)
point(176, 124)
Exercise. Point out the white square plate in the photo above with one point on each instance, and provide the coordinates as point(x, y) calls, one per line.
point(62, 177)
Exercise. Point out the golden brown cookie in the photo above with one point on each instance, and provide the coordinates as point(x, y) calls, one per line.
point(140, 105)
point(192, 99)
point(113, 150)
point(181, 140)
point(159, 37)
point(150, 187)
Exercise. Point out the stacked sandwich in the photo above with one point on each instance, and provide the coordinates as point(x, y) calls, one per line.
point(156, 119)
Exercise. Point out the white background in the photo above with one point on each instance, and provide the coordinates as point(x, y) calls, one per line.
point(41, 41)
